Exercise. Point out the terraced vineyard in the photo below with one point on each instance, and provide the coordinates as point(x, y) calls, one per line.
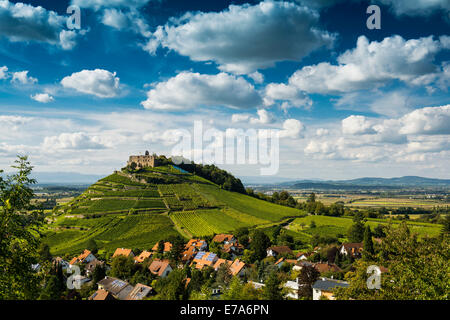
point(207, 222)
point(137, 210)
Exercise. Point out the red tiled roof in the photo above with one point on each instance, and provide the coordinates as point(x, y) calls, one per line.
point(281, 249)
point(101, 295)
point(158, 266)
point(167, 247)
point(144, 255)
point(222, 237)
point(81, 257)
point(236, 267)
point(122, 252)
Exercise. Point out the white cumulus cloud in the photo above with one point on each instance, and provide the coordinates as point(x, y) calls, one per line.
point(189, 90)
point(373, 64)
point(243, 39)
point(98, 82)
point(42, 97)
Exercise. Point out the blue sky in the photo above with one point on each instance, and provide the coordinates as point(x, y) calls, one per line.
point(349, 101)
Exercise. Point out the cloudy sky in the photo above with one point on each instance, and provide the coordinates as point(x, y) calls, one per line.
point(349, 101)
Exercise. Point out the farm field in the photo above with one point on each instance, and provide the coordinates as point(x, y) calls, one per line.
point(334, 226)
point(354, 200)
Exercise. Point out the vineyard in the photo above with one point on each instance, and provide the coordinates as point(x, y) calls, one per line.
point(134, 210)
point(137, 231)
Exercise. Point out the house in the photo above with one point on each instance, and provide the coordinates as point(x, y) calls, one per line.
point(353, 249)
point(324, 287)
point(280, 262)
point(327, 267)
point(90, 266)
point(142, 256)
point(234, 249)
point(118, 288)
point(224, 238)
point(160, 268)
point(277, 250)
point(300, 264)
point(167, 247)
point(256, 285)
point(237, 268)
point(123, 252)
point(101, 294)
point(139, 292)
point(219, 262)
point(302, 256)
point(188, 254)
point(198, 244)
point(85, 257)
point(202, 259)
point(292, 288)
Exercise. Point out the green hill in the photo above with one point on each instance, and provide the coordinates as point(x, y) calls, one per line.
point(137, 209)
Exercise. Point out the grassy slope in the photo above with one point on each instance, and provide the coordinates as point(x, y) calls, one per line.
point(197, 207)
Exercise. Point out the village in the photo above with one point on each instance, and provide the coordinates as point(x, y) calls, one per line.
point(195, 256)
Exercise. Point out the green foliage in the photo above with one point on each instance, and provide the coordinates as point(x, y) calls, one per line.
point(19, 234)
point(308, 275)
point(272, 289)
point(368, 243)
point(91, 245)
point(52, 289)
point(173, 287)
point(417, 269)
point(356, 232)
point(122, 267)
point(44, 253)
point(259, 244)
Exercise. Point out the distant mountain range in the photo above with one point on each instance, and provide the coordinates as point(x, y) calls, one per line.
point(69, 178)
point(408, 181)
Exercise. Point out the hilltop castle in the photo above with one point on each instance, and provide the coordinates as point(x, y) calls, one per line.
point(146, 160)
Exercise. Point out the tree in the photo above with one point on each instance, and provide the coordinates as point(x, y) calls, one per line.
point(92, 246)
point(356, 231)
point(272, 289)
point(308, 275)
point(223, 276)
point(52, 289)
point(44, 253)
point(177, 248)
point(122, 267)
point(276, 232)
point(260, 243)
point(378, 232)
point(98, 274)
point(417, 269)
point(368, 250)
point(311, 198)
point(446, 228)
point(160, 246)
point(234, 291)
point(173, 287)
point(19, 234)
